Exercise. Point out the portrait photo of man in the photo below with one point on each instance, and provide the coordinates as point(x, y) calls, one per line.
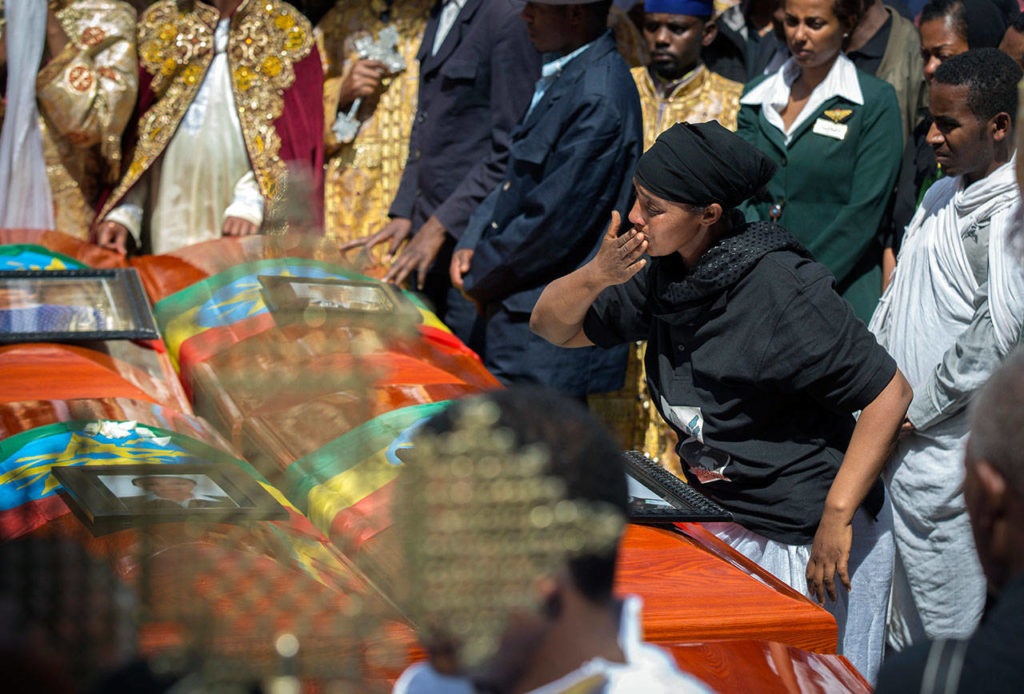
point(170, 493)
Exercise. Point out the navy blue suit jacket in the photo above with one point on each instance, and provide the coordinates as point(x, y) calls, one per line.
point(471, 94)
point(571, 164)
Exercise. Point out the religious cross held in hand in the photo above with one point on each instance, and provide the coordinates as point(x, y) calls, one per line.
point(384, 49)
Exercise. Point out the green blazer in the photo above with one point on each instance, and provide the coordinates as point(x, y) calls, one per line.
point(833, 192)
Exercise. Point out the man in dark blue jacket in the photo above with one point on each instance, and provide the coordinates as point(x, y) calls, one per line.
point(570, 164)
point(477, 71)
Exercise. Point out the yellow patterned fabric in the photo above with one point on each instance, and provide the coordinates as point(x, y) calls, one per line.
point(176, 47)
point(723, 5)
point(86, 94)
point(362, 176)
point(628, 39)
point(700, 97)
point(629, 413)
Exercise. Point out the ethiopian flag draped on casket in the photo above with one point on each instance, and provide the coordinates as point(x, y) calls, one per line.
point(28, 492)
point(28, 256)
point(228, 307)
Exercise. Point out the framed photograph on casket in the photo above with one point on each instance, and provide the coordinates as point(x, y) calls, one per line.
point(308, 298)
point(74, 305)
point(113, 497)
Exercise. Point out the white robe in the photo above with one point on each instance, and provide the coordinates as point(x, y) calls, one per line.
point(930, 319)
point(204, 175)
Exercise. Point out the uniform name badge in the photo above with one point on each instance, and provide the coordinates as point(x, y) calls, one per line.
point(836, 131)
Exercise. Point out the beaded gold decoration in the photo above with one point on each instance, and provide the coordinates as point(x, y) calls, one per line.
point(267, 39)
point(480, 523)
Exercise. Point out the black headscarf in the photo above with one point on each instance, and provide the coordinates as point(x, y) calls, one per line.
point(702, 164)
point(986, 23)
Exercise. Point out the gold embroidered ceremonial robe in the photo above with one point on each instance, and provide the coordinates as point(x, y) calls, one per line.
point(276, 87)
point(362, 176)
point(85, 96)
point(700, 96)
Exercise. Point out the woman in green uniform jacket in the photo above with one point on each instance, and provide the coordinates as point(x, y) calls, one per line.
point(835, 133)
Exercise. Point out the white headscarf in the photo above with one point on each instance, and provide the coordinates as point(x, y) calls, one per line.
point(25, 198)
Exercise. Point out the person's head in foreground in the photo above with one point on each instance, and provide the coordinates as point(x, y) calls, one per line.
point(974, 105)
point(167, 486)
point(509, 508)
point(994, 482)
point(676, 31)
point(687, 184)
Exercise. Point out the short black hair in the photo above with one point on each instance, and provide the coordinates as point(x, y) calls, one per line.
point(848, 12)
point(991, 78)
point(581, 454)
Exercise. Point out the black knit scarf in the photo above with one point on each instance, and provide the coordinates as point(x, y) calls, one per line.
point(680, 294)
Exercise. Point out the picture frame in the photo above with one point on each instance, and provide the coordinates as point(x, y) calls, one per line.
point(655, 495)
point(74, 305)
point(291, 299)
point(107, 498)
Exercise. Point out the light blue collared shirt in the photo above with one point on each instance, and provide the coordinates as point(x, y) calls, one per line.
point(549, 73)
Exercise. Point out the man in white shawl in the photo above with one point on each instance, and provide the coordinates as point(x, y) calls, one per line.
point(952, 312)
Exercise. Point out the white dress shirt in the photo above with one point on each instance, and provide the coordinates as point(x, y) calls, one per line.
point(772, 94)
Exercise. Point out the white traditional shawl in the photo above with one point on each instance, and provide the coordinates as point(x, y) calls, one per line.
point(931, 298)
point(1006, 280)
point(939, 589)
point(25, 198)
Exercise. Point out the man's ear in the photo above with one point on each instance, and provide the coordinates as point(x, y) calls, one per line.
point(710, 32)
point(1000, 127)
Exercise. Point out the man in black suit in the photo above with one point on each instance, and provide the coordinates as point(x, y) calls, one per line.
point(990, 660)
point(172, 493)
point(477, 74)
